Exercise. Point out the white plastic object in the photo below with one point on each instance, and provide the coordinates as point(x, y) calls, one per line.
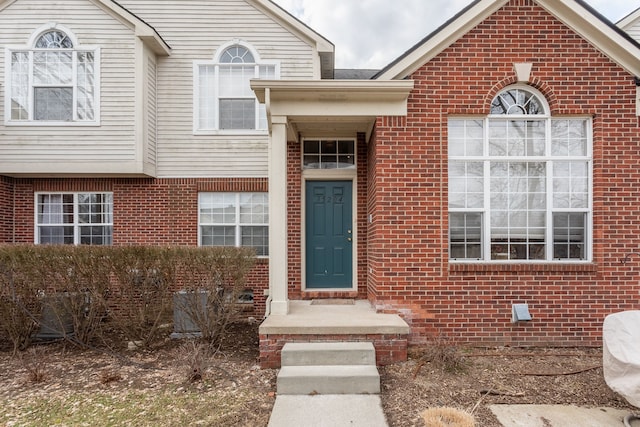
point(621, 354)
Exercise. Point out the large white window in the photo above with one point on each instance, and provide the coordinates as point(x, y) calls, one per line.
point(223, 97)
point(520, 183)
point(235, 219)
point(52, 81)
point(74, 218)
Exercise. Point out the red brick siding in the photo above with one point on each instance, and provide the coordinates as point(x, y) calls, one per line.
point(6, 210)
point(390, 348)
point(408, 253)
point(145, 212)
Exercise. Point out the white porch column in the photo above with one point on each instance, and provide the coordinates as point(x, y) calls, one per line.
point(278, 271)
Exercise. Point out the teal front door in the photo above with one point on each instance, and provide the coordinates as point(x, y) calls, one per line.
point(329, 234)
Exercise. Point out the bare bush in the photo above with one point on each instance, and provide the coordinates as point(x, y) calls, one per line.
point(212, 281)
point(140, 292)
point(443, 353)
point(35, 361)
point(20, 302)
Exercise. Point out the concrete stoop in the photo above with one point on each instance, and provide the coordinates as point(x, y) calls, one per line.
point(328, 368)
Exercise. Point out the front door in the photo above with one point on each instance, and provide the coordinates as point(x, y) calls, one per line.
point(329, 234)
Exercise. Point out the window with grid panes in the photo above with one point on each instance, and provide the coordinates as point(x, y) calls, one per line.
point(519, 183)
point(74, 218)
point(234, 219)
point(52, 81)
point(225, 100)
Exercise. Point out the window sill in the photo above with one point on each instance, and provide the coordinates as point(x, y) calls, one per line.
point(239, 132)
point(547, 267)
point(36, 123)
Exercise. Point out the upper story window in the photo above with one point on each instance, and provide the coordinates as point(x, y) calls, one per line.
point(52, 80)
point(520, 183)
point(223, 97)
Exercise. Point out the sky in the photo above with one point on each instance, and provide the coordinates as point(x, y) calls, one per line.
point(372, 33)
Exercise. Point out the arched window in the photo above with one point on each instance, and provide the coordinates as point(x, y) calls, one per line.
point(520, 182)
point(224, 97)
point(53, 80)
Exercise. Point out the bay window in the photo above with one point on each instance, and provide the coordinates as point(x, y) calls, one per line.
point(519, 183)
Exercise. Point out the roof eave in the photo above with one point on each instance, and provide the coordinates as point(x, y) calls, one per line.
point(585, 21)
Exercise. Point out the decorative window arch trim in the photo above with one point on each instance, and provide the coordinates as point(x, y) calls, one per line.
point(53, 26)
point(236, 42)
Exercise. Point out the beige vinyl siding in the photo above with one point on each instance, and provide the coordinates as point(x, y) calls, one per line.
point(195, 29)
point(634, 30)
point(97, 148)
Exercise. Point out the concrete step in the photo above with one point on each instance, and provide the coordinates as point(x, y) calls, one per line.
point(328, 353)
point(333, 379)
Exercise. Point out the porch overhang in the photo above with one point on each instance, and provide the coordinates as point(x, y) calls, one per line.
point(327, 108)
point(315, 109)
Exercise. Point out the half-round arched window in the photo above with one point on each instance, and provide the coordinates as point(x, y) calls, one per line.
point(236, 54)
point(53, 39)
point(519, 101)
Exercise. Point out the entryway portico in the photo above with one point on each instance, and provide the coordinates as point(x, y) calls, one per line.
point(321, 109)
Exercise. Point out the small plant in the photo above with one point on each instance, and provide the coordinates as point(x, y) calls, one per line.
point(443, 353)
point(35, 362)
point(447, 417)
point(193, 357)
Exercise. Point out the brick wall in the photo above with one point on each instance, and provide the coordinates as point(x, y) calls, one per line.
point(145, 212)
point(6, 209)
point(407, 194)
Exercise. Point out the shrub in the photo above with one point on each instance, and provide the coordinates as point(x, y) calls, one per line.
point(213, 279)
point(140, 292)
point(20, 302)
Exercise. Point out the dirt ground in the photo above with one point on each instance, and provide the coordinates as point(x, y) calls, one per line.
point(481, 377)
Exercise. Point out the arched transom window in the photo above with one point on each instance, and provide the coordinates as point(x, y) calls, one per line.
point(520, 182)
point(53, 80)
point(224, 99)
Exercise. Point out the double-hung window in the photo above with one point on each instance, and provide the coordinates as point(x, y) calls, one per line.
point(74, 218)
point(52, 81)
point(224, 99)
point(234, 219)
point(520, 183)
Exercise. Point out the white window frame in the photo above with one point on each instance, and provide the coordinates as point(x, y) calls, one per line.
point(260, 113)
point(29, 48)
point(548, 159)
point(76, 221)
point(237, 224)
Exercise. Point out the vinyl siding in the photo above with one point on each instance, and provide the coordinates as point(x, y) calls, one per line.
point(195, 29)
point(634, 30)
point(151, 100)
point(101, 148)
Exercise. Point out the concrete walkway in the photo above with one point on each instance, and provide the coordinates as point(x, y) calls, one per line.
point(559, 416)
point(328, 410)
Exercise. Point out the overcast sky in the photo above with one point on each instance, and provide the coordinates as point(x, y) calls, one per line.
point(372, 33)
